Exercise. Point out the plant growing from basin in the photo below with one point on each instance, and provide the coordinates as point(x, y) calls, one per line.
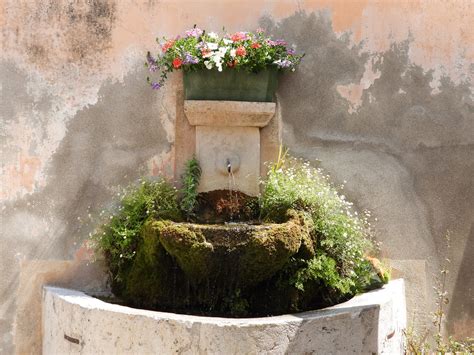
point(298, 246)
point(242, 66)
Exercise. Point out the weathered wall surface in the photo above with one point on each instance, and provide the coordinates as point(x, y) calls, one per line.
point(384, 99)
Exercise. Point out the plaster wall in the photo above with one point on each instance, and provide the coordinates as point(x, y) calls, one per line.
point(383, 100)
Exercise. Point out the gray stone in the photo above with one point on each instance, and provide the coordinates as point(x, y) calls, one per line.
point(229, 113)
point(370, 323)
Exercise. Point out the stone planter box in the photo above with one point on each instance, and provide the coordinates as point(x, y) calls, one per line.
point(230, 85)
point(371, 323)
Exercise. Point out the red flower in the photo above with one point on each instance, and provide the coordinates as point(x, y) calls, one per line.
point(167, 45)
point(241, 51)
point(256, 45)
point(177, 63)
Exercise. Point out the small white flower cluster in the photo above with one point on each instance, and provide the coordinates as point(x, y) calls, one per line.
point(216, 55)
point(345, 232)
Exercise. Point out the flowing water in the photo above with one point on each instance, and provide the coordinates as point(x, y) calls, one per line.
point(233, 197)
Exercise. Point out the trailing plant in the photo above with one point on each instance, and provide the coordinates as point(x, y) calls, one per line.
point(197, 49)
point(190, 181)
point(419, 343)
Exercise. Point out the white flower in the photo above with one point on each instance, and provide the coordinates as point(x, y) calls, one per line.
point(223, 51)
point(232, 53)
point(208, 64)
point(213, 35)
point(212, 46)
point(227, 41)
point(218, 60)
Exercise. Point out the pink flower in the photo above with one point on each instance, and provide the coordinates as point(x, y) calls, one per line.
point(167, 45)
point(205, 52)
point(241, 51)
point(195, 32)
point(239, 36)
point(256, 45)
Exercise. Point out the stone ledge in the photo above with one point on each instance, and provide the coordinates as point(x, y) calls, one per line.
point(229, 113)
point(75, 323)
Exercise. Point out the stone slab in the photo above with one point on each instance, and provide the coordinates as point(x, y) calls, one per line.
point(229, 113)
point(371, 323)
point(239, 145)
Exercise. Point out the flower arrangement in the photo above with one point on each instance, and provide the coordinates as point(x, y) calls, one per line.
point(249, 51)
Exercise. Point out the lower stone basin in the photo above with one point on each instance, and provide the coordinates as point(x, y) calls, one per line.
point(370, 323)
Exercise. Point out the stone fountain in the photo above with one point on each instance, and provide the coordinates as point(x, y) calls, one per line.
point(244, 134)
point(232, 140)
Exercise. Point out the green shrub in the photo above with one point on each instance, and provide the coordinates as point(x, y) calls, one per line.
point(342, 235)
point(117, 239)
point(190, 181)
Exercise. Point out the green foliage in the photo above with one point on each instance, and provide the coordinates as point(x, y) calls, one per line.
point(344, 237)
point(311, 250)
point(118, 238)
point(321, 269)
point(190, 181)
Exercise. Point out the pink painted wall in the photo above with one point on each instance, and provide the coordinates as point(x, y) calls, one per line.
point(383, 99)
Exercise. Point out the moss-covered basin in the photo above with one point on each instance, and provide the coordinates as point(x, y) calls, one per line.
point(210, 266)
point(243, 253)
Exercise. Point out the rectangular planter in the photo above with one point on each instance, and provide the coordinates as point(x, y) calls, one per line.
point(230, 85)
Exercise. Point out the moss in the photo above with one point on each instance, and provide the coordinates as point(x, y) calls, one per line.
point(181, 266)
point(155, 280)
point(190, 249)
point(268, 251)
point(238, 269)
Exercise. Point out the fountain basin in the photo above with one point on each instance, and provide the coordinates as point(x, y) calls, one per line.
point(370, 323)
point(212, 269)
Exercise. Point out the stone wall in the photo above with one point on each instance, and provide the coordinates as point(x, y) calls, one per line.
point(383, 99)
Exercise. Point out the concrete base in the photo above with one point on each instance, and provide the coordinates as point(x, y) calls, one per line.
point(371, 323)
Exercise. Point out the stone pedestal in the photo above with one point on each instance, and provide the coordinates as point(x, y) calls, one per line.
point(228, 142)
